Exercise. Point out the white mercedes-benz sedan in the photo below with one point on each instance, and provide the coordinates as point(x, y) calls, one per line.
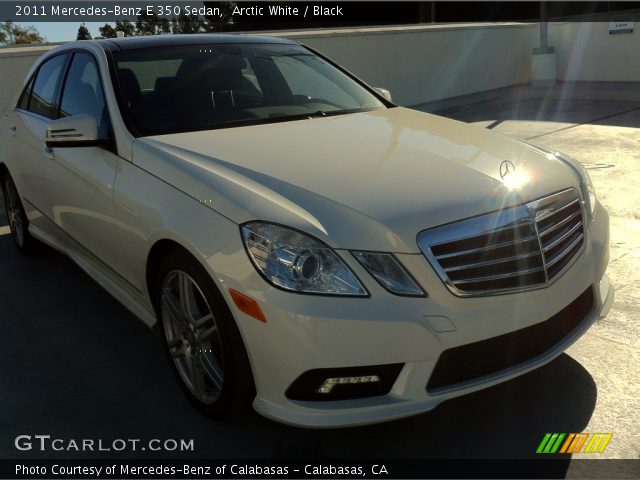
point(304, 245)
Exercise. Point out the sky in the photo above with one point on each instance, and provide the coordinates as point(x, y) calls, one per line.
point(63, 31)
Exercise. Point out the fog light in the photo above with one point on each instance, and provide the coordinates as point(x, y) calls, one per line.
point(329, 383)
point(324, 384)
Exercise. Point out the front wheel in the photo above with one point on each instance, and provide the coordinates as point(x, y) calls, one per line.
point(201, 338)
point(18, 222)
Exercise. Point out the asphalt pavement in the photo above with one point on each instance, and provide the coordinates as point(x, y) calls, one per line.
point(74, 363)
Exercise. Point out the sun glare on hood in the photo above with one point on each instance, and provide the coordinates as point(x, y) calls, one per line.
point(515, 180)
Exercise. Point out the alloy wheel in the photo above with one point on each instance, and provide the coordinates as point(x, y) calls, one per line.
point(192, 336)
point(14, 212)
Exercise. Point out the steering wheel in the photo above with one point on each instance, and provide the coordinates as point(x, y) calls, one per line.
point(303, 99)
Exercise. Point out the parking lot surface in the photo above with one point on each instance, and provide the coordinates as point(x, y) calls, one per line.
point(76, 364)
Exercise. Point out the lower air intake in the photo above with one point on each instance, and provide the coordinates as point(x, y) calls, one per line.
point(476, 360)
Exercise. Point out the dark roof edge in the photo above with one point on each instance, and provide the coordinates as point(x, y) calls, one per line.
point(134, 43)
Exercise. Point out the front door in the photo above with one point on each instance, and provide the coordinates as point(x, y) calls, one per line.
point(81, 179)
point(26, 148)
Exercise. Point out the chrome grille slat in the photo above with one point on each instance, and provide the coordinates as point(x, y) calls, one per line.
point(518, 248)
point(491, 262)
point(562, 237)
point(497, 277)
point(555, 226)
point(559, 256)
point(495, 231)
point(554, 212)
point(487, 248)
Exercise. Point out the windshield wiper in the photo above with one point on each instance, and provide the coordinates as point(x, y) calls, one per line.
point(297, 116)
point(317, 114)
point(274, 119)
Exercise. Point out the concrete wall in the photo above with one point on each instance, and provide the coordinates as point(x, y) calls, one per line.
point(419, 64)
point(587, 52)
point(426, 63)
point(14, 65)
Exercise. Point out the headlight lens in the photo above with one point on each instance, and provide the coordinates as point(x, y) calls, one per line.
point(389, 273)
point(297, 262)
point(588, 191)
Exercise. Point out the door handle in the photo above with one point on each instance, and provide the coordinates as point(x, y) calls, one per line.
point(13, 129)
point(48, 152)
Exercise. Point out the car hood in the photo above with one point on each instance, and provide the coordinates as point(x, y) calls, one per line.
point(369, 180)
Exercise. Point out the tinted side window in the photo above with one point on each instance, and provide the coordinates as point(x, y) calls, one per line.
point(45, 87)
point(82, 92)
point(23, 103)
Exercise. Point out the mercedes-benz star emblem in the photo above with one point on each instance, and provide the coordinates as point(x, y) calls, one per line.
point(506, 168)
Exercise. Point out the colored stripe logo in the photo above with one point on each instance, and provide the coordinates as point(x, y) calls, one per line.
point(572, 443)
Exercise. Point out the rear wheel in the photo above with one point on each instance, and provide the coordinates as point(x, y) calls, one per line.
point(18, 222)
point(201, 338)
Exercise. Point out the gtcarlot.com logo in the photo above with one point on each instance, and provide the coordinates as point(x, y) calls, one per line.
point(44, 443)
point(574, 442)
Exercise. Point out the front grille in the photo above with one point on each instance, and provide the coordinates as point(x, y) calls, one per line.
point(514, 249)
point(476, 360)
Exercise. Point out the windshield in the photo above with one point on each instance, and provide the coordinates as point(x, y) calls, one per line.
point(180, 89)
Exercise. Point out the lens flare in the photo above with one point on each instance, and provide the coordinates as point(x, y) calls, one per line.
point(515, 180)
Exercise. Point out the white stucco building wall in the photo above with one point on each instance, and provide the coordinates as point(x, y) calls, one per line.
point(425, 63)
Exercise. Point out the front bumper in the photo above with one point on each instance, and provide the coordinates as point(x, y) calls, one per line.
point(305, 332)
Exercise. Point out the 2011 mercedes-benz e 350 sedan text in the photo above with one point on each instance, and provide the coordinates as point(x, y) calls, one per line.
point(305, 245)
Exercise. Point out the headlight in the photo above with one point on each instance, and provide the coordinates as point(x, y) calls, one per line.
point(297, 262)
point(588, 191)
point(389, 273)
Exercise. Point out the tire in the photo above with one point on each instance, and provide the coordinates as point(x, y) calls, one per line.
point(201, 339)
point(18, 222)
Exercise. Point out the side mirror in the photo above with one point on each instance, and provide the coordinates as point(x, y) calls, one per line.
point(74, 131)
point(383, 92)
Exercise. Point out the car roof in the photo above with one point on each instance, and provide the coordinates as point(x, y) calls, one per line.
point(153, 41)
